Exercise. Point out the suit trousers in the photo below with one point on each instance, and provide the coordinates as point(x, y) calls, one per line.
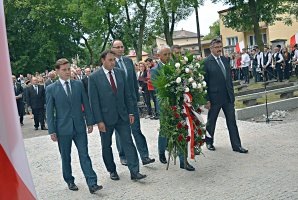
point(38, 117)
point(146, 96)
point(81, 142)
point(140, 139)
point(229, 111)
point(246, 74)
point(124, 131)
point(153, 97)
point(268, 72)
point(20, 106)
point(279, 72)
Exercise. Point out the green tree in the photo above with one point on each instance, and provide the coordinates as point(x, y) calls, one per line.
point(247, 14)
point(214, 31)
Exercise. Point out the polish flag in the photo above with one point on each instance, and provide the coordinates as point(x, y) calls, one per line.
point(293, 41)
point(239, 46)
point(15, 176)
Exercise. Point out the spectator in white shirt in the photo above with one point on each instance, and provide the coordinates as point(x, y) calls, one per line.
point(277, 59)
point(245, 62)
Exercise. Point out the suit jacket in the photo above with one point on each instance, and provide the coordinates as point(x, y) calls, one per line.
point(85, 83)
point(68, 114)
point(19, 90)
point(105, 105)
point(219, 89)
point(83, 76)
point(35, 100)
point(143, 84)
point(131, 79)
point(48, 82)
point(154, 74)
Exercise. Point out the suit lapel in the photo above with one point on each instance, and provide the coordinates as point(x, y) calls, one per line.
point(73, 91)
point(105, 80)
point(214, 62)
point(60, 88)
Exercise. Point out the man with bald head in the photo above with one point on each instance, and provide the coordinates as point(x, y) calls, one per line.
point(85, 80)
point(35, 99)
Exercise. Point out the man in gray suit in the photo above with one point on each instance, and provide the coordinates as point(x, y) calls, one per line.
point(50, 80)
point(112, 108)
point(220, 95)
point(127, 65)
point(66, 96)
point(163, 52)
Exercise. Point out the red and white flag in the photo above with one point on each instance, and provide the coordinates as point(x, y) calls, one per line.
point(15, 176)
point(239, 46)
point(293, 41)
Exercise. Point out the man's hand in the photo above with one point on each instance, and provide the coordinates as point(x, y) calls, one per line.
point(208, 106)
point(20, 96)
point(101, 126)
point(90, 129)
point(54, 137)
point(44, 105)
point(140, 88)
point(17, 97)
point(264, 66)
point(29, 106)
point(131, 119)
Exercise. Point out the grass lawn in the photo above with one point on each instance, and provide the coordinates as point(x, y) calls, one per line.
point(271, 97)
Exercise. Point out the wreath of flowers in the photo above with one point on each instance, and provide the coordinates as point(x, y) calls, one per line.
point(181, 92)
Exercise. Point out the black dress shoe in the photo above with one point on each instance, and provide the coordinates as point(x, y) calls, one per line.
point(94, 188)
point(44, 128)
point(36, 128)
point(123, 161)
point(137, 176)
point(147, 161)
point(72, 186)
point(210, 147)
point(188, 167)
point(241, 150)
point(22, 124)
point(162, 158)
point(114, 176)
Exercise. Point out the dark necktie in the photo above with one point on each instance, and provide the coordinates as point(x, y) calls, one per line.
point(68, 91)
point(15, 88)
point(35, 88)
point(221, 67)
point(113, 83)
point(122, 66)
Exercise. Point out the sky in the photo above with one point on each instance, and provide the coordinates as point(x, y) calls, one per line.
point(207, 15)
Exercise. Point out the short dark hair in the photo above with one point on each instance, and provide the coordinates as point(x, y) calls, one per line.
point(296, 45)
point(105, 53)
point(148, 59)
point(175, 46)
point(243, 49)
point(60, 62)
point(257, 47)
point(278, 46)
point(254, 50)
point(215, 40)
point(266, 47)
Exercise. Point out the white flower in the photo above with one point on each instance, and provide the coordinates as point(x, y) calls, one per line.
point(204, 84)
point(190, 79)
point(194, 85)
point(186, 59)
point(190, 66)
point(187, 70)
point(198, 65)
point(178, 80)
point(177, 65)
point(199, 85)
point(186, 89)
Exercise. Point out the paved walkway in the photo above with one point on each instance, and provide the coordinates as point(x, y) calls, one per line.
point(268, 171)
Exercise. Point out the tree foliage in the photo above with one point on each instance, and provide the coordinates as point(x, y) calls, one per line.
point(214, 31)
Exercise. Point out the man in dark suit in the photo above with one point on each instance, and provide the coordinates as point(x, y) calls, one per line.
point(220, 95)
point(163, 52)
point(79, 74)
point(50, 80)
point(18, 90)
point(127, 65)
point(85, 80)
point(36, 100)
point(112, 108)
point(66, 96)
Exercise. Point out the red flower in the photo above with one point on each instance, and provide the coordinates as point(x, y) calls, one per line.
point(200, 143)
point(199, 131)
point(180, 138)
point(195, 143)
point(186, 126)
point(176, 115)
point(184, 115)
point(197, 123)
point(188, 138)
point(192, 117)
point(204, 140)
point(182, 107)
point(174, 108)
point(199, 110)
point(179, 125)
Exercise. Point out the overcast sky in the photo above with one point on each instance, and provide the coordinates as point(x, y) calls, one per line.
point(207, 15)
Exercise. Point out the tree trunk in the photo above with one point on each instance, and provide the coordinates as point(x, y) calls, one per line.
point(103, 48)
point(256, 26)
point(165, 17)
point(198, 28)
point(90, 50)
point(142, 28)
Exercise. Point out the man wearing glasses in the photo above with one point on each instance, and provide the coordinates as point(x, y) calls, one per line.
point(220, 95)
point(127, 65)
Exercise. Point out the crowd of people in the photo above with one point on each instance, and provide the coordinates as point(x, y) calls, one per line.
point(108, 96)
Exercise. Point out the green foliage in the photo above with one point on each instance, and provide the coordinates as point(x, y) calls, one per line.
point(214, 29)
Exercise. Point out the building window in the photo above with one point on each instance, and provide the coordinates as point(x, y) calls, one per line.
point(193, 48)
point(232, 41)
point(252, 39)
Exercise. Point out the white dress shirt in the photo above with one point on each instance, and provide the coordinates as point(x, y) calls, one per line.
point(296, 54)
point(269, 59)
point(280, 57)
point(64, 85)
point(35, 87)
point(217, 60)
point(260, 58)
point(245, 60)
point(108, 75)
